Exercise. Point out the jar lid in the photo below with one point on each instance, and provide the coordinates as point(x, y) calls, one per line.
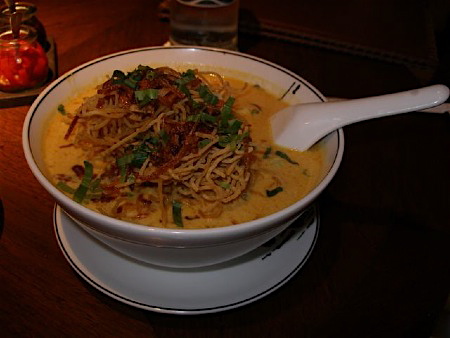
point(26, 33)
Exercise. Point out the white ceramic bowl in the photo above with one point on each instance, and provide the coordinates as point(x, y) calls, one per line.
point(177, 247)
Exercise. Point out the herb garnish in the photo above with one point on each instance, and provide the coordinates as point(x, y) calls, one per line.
point(132, 78)
point(185, 78)
point(62, 109)
point(273, 192)
point(64, 187)
point(225, 185)
point(285, 156)
point(204, 143)
point(81, 191)
point(177, 214)
point(207, 95)
point(144, 96)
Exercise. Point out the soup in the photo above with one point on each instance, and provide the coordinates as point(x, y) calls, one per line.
point(164, 148)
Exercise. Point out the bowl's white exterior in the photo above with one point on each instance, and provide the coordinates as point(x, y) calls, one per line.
point(186, 256)
point(177, 247)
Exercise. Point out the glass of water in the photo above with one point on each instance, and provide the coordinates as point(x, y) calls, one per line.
point(212, 23)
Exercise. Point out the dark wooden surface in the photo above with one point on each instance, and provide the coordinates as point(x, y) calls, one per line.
point(381, 264)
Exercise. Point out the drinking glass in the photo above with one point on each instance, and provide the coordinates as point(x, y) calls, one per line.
point(212, 23)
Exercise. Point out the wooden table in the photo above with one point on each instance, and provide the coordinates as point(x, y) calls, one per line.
point(380, 267)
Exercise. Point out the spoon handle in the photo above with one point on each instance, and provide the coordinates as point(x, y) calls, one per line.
point(300, 126)
point(342, 113)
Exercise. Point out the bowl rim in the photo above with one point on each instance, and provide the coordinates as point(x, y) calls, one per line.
point(111, 224)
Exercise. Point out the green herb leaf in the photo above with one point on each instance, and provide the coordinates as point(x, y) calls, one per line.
point(224, 140)
point(207, 95)
point(202, 117)
point(226, 109)
point(153, 140)
point(118, 77)
point(140, 154)
point(62, 109)
point(144, 96)
point(225, 185)
point(64, 187)
point(204, 143)
point(185, 78)
point(81, 191)
point(267, 152)
point(234, 126)
point(285, 156)
point(131, 82)
point(95, 186)
point(271, 193)
point(164, 136)
point(123, 163)
point(177, 213)
point(150, 75)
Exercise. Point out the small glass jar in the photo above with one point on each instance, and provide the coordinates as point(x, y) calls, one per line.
point(23, 61)
point(29, 18)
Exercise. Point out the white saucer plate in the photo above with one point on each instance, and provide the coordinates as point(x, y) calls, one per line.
point(188, 291)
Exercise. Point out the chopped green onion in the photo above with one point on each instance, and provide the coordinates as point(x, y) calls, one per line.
point(130, 82)
point(232, 140)
point(153, 140)
point(202, 117)
point(150, 75)
point(81, 191)
point(234, 126)
point(225, 185)
point(139, 157)
point(131, 79)
point(124, 160)
point(226, 109)
point(176, 213)
point(62, 109)
point(203, 143)
point(64, 187)
point(208, 118)
point(118, 77)
point(224, 140)
point(267, 152)
point(164, 136)
point(185, 78)
point(122, 163)
point(144, 93)
point(285, 156)
point(185, 91)
point(271, 193)
point(95, 186)
point(207, 95)
point(144, 96)
point(142, 68)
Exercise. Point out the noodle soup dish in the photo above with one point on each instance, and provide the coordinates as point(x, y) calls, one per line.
point(173, 163)
point(188, 149)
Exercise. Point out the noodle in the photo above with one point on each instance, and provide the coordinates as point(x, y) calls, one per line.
point(170, 133)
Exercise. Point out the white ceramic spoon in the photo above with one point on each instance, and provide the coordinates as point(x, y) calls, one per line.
point(300, 126)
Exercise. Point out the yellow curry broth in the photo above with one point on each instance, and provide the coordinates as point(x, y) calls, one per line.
point(270, 171)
